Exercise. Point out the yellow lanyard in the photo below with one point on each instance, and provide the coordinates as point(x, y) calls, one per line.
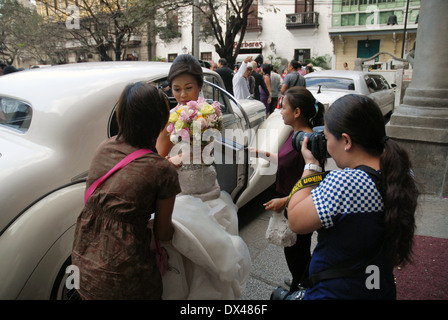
point(308, 181)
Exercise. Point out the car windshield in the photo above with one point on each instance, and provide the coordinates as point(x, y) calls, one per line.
point(331, 83)
point(15, 114)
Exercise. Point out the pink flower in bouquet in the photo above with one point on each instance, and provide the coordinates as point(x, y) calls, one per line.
point(217, 106)
point(188, 115)
point(201, 122)
point(185, 119)
point(185, 134)
point(212, 121)
point(193, 105)
point(170, 127)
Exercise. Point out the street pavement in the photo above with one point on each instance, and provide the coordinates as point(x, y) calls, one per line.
point(425, 279)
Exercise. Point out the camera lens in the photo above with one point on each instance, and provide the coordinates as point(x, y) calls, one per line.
point(298, 138)
point(317, 143)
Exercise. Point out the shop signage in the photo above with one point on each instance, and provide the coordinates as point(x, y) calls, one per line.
point(250, 45)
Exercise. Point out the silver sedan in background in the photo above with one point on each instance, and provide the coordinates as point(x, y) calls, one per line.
point(327, 86)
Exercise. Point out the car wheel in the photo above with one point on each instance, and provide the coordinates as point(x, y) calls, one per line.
point(60, 290)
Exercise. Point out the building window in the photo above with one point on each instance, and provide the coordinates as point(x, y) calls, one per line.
point(253, 20)
point(348, 19)
point(206, 56)
point(302, 54)
point(349, 2)
point(305, 6)
point(171, 57)
point(171, 29)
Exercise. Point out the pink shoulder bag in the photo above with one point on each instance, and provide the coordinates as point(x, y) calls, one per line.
point(162, 256)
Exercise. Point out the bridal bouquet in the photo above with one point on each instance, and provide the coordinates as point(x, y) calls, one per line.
point(188, 122)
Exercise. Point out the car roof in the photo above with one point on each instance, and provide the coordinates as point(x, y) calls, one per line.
point(337, 74)
point(80, 78)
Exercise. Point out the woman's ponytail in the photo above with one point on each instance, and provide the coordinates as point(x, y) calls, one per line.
point(400, 201)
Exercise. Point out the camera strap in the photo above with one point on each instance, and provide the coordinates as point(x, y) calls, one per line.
point(308, 181)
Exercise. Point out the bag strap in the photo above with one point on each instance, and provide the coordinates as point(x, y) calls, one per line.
point(124, 162)
point(297, 79)
point(339, 271)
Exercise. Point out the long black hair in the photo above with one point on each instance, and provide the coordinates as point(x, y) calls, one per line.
point(142, 113)
point(311, 109)
point(361, 118)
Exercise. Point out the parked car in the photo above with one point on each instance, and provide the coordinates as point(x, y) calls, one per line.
point(53, 119)
point(329, 85)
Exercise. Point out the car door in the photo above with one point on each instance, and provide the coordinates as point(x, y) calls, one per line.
point(381, 92)
point(388, 95)
point(230, 151)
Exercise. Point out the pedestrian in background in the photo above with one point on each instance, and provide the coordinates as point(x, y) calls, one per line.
point(293, 78)
point(276, 85)
point(301, 69)
point(266, 96)
point(9, 69)
point(226, 74)
point(241, 80)
point(259, 82)
point(365, 213)
point(284, 73)
point(112, 240)
point(309, 69)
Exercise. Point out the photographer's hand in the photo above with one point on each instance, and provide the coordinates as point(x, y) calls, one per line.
point(306, 153)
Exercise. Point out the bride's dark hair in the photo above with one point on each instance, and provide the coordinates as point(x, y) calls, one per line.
point(361, 118)
point(186, 63)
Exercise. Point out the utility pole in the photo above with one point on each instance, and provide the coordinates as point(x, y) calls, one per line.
point(195, 29)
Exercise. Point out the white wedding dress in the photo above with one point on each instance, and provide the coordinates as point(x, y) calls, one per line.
point(208, 260)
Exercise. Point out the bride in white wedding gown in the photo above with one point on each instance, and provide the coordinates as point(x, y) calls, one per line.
point(208, 260)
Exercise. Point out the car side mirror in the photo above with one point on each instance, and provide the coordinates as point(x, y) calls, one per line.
point(393, 85)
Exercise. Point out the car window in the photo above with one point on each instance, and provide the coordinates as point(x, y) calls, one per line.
point(214, 94)
point(331, 83)
point(15, 114)
point(376, 83)
point(384, 82)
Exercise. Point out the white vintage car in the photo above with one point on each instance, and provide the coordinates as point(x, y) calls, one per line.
point(51, 122)
point(327, 86)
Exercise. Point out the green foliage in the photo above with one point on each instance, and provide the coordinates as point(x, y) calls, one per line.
point(320, 61)
point(169, 32)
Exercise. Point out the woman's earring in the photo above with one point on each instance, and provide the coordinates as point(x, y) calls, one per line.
point(345, 149)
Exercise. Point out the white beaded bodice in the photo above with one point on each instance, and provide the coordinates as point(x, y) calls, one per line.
point(199, 181)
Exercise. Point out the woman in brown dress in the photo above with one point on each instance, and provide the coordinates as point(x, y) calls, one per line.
point(112, 241)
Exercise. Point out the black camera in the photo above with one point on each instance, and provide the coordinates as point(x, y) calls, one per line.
point(280, 293)
point(317, 143)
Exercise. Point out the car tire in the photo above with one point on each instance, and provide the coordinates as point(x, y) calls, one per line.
point(60, 291)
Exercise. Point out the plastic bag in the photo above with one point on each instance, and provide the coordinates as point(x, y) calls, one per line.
point(278, 231)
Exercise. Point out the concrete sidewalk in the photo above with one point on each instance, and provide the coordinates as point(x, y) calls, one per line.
point(269, 267)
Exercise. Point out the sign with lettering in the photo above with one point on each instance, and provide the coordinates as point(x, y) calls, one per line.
point(250, 45)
